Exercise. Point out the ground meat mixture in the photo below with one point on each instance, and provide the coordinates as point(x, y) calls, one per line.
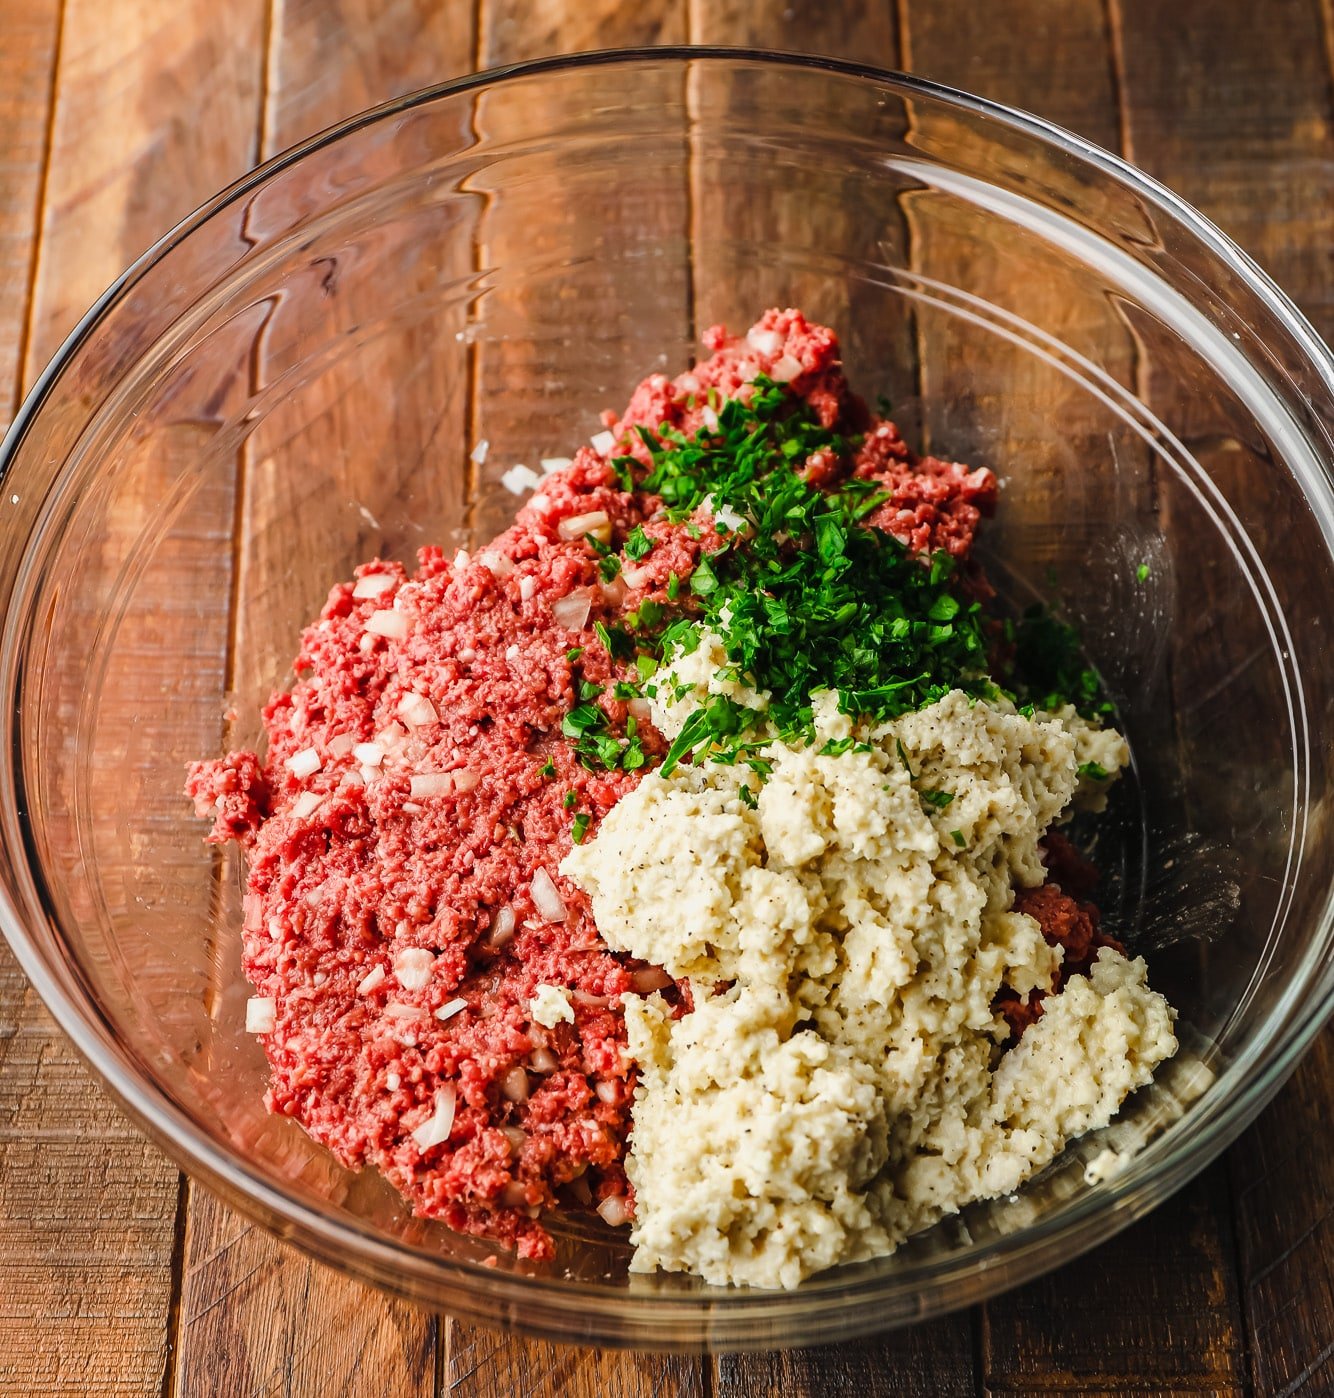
point(404, 828)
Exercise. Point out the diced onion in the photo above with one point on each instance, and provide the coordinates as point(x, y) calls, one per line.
point(341, 745)
point(543, 1061)
point(449, 1009)
point(639, 710)
point(608, 1092)
point(709, 419)
point(497, 564)
point(399, 1009)
point(388, 622)
point(502, 928)
point(614, 1210)
point(427, 784)
point(546, 898)
point(651, 978)
point(604, 443)
point(392, 1081)
point(613, 591)
point(391, 736)
point(514, 1085)
point(465, 779)
point(413, 966)
point(571, 611)
point(260, 1014)
point(635, 577)
point(516, 1136)
point(373, 585)
point(435, 1130)
point(595, 522)
point(478, 453)
point(786, 369)
point(303, 764)
point(554, 463)
point(520, 478)
point(416, 710)
point(368, 754)
point(765, 341)
point(514, 1196)
point(590, 1001)
point(306, 805)
point(527, 586)
point(372, 980)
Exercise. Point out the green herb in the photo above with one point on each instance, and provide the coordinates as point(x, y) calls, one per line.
point(1094, 770)
point(574, 653)
point(836, 747)
point(609, 567)
point(747, 797)
point(1049, 664)
point(638, 544)
point(589, 690)
point(673, 587)
point(570, 800)
point(547, 769)
point(903, 757)
point(938, 799)
point(1142, 572)
point(580, 827)
point(957, 837)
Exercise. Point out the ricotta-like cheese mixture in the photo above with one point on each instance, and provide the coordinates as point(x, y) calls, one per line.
point(846, 929)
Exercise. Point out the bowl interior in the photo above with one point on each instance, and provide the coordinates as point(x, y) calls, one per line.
point(297, 385)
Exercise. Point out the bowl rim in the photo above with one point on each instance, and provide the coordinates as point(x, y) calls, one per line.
point(718, 1318)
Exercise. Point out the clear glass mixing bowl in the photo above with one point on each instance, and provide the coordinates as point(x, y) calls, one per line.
point(294, 380)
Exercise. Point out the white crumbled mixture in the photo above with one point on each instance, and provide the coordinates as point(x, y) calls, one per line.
point(839, 1084)
point(550, 1006)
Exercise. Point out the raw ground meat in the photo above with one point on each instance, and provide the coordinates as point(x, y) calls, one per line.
point(416, 784)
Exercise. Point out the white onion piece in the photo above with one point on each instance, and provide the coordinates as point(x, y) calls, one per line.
point(590, 1001)
point(373, 585)
point(391, 736)
point(497, 564)
point(765, 341)
point(398, 1009)
point(435, 1129)
point(502, 928)
point(709, 419)
point(613, 591)
point(389, 623)
point(651, 978)
point(688, 383)
point(513, 1196)
point(604, 443)
point(614, 1210)
point(595, 522)
point(478, 453)
point(786, 369)
point(546, 897)
point(427, 784)
point(554, 463)
point(341, 745)
point(514, 1085)
point(543, 1061)
point(517, 1137)
point(635, 577)
point(410, 808)
point(413, 966)
point(392, 1081)
point(303, 764)
point(450, 1008)
point(639, 710)
point(527, 586)
point(520, 478)
point(306, 805)
point(462, 560)
point(571, 611)
point(372, 980)
point(465, 779)
point(607, 1092)
point(416, 711)
point(368, 754)
point(260, 1014)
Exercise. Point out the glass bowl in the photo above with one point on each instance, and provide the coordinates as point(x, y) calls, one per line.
point(295, 380)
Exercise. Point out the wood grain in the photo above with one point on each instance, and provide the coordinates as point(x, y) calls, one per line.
point(1248, 141)
point(89, 1207)
point(27, 93)
point(256, 1316)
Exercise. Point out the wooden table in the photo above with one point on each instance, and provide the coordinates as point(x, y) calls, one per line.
point(117, 1275)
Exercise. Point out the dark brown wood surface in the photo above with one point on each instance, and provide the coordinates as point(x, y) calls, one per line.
point(117, 1275)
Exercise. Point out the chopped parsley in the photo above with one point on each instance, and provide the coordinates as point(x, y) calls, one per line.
point(957, 837)
point(638, 544)
point(580, 827)
point(570, 800)
point(1142, 573)
point(938, 799)
point(1094, 770)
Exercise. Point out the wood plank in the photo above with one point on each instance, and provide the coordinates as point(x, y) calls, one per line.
point(1245, 136)
point(89, 1208)
point(1056, 60)
point(934, 1360)
point(256, 1316)
point(27, 91)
